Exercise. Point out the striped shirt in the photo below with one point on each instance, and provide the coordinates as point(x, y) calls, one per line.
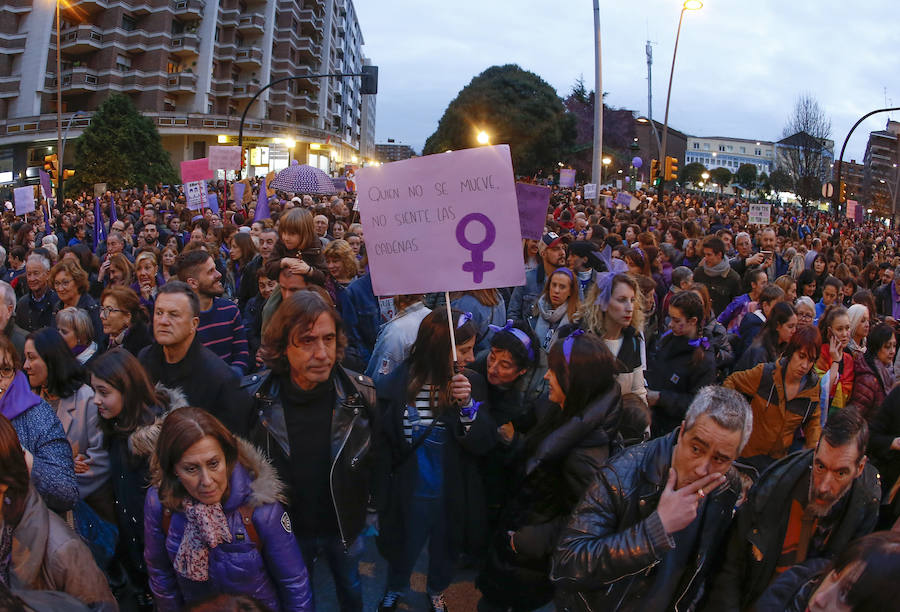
point(425, 399)
point(222, 332)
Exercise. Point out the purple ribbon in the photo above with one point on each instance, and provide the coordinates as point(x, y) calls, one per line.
point(463, 319)
point(517, 333)
point(565, 271)
point(701, 342)
point(469, 412)
point(569, 342)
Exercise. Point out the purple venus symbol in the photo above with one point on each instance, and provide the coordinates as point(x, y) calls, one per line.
point(478, 266)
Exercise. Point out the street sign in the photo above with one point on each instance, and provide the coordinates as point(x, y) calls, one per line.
point(827, 190)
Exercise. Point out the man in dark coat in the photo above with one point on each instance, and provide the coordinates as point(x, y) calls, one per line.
point(808, 505)
point(642, 537)
point(723, 283)
point(177, 359)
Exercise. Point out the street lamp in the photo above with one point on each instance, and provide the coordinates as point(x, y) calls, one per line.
point(483, 138)
point(704, 176)
point(606, 162)
point(689, 5)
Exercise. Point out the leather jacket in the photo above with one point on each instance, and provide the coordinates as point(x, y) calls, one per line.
point(350, 475)
point(607, 555)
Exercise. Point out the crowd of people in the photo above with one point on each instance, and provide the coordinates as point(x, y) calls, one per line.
point(678, 410)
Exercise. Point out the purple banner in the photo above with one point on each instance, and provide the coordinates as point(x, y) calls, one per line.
point(533, 201)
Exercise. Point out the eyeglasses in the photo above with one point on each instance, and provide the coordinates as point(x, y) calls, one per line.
point(63, 284)
point(105, 310)
point(804, 315)
point(6, 371)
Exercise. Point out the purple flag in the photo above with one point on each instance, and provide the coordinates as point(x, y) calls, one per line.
point(44, 207)
point(113, 217)
point(99, 230)
point(45, 183)
point(533, 201)
point(212, 200)
point(237, 192)
point(262, 203)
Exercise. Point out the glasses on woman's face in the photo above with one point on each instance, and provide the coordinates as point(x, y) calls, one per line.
point(804, 316)
point(62, 284)
point(106, 310)
point(7, 371)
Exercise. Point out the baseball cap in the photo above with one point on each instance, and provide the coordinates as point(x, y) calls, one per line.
point(551, 239)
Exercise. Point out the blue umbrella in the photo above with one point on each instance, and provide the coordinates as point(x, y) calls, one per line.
point(300, 178)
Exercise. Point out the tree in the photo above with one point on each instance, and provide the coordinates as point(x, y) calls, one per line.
point(804, 148)
point(781, 180)
point(746, 176)
point(692, 173)
point(121, 148)
point(515, 107)
point(721, 177)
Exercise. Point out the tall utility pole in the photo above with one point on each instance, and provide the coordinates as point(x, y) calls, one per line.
point(649, 49)
point(59, 168)
point(596, 175)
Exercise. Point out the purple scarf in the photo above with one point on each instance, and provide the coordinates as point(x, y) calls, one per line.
point(895, 301)
point(18, 397)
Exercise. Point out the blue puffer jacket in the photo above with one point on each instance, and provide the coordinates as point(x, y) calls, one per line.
point(271, 571)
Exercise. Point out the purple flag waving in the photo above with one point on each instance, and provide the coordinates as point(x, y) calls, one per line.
point(99, 230)
point(262, 204)
point(45, 183)
point(44, 207)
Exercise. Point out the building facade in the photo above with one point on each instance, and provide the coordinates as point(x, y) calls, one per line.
point(731, 153)
point(391, 151)
point(881, 176)
point(192, 66)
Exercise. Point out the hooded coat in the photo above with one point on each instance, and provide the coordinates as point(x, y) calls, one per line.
point(271, 572)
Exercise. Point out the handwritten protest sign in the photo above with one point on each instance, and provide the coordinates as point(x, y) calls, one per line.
point(567, 177)
point(590, 191)
point(446, 222)
point(195, 192)
point(533, 201)
point(623, 198)
point(24, 198)
point(760, 214)
point(99, 189)
point(195, 170)
point(224, 158)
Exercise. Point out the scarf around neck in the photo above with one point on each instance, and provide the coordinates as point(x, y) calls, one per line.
point(18, 397)
point(206, 527)
point(720, 269)
point(550, 314)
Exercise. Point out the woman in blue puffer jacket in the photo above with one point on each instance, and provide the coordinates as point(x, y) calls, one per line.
point(214, 521)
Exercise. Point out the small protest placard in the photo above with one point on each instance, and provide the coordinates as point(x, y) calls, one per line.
point(224, 158)
point(195, 193)
point(567, 177)
point(445, 222)
point(760, 214)
point(533, 201)
point(623, 198)
point(196, 170)
point(24, 199)
point(590, 191)
point(99, 189)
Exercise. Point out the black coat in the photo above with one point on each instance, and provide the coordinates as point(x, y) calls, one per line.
point(556, 464)
point(792, 590)
point(883, 428)
point(398, 469)
point(757, 536)
point(206, 381)
point(607, 556)
point(677, 377)
point(32, 315)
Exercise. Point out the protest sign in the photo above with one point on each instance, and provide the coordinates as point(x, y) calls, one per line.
point(446, 222)
point(567, 177)
point(224, 158)
point(99, 189)
point(212, 202)
point(590, 191)
point(269, 178)
point(195, 193)
point(24, 199)
point(237, 191)
point(340, 183)
point(533, 201)
point(45, 184)
point(195, 170)
point(760, 214)
point(623, 198)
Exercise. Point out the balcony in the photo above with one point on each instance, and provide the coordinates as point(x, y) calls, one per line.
point(77, 80)
point(248, 56)
point(305, 103)
point(182, 81)
point(186, 45)
point(189, 9)
point(245, 90)
point(229, 17)
point(15, 43)
point(251, 24)
point(310, 21)
point(9, 86)
point(82, 39)
point(309, 50)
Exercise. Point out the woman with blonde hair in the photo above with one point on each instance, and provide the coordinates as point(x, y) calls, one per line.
point(341, 262)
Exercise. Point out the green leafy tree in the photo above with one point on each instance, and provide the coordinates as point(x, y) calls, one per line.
point(721, 177)
point(121, 148)
point(514, 107)
point(692, 173)
point(746, 176)
point(763, 185)
point(781, 180)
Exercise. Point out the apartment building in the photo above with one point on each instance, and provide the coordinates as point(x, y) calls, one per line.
point(731, 153)
point(192, 66)
point(881, 176)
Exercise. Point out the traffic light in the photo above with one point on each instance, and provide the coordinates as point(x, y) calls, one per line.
point(671, 169)
point(244, 158)
point(369, 82)
point(67, 174)
point(51, 166)
point(654, 172)
point(842, 194)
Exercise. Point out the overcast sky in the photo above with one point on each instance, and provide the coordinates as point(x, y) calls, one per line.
point(741, 63)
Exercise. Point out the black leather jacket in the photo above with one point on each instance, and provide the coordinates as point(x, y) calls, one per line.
point(351, 441)
point(607, 556)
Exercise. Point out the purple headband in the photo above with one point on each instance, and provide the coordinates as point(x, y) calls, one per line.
point(565, 271)
point(463, 319)
point(568, 342)
point(518, 333)
point(605, 281)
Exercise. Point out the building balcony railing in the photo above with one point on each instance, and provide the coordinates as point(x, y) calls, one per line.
point(189, 8)
point(309, 49)
point(252, 24)
point(245, 90)
point(186, 44)
point(248, 56)
point(82, 39)
point(182, 81)
point(310, 19)
point(229, 17)
point(13, 44)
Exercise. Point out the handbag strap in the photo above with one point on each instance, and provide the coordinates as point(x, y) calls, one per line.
point(415, 445)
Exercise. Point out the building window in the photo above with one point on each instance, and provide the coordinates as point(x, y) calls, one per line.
point(730, 148)
point(757, 152)
point(743, 149)
point(128, 23)
point(209, 107)
point(177, 27)
point(173, 67)
point(169, 105)
point(123, 63)
point(721, 147)
point(696, 145)
point(706, 146)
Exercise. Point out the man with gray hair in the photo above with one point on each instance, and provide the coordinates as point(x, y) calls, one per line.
point(37, 308)
point(7, 318)
point(643, 535)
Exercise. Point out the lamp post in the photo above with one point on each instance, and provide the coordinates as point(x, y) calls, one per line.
point(59, 175)
point(705, 177)
point(596, 171)
point(483, 138)
point(689, 5)
point(606, 162)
